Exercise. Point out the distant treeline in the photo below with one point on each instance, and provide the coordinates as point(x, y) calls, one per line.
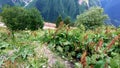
point(51, 9)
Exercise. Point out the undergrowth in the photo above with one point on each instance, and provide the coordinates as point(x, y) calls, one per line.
point(92, 48)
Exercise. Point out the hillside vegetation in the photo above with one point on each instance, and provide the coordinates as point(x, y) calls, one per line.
point(51, 9)
point(89, 44)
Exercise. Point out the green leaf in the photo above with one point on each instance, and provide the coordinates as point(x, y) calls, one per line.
point(66, 43)
point(3, 45)
point(1, 61)
point(78, 65)
point(100, 64)
point(12, 58)
point(60, 49)
point(115, 62)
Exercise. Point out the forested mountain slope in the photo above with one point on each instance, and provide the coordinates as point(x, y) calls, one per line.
point(51, 9)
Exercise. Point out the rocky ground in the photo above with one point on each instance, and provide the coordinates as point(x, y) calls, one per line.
point(52, 58)
point(2, 24)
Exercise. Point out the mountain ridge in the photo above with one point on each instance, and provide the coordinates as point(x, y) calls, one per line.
point(51, 9)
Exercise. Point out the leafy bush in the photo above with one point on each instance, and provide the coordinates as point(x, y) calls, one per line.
point(91, 48)
point(34, 19)
point(18, 18)
point(23, 52)
point(92, 18)
point(67, 21)
point(65, 41)
point(40, 62)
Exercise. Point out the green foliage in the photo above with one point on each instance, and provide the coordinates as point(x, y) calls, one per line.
point(58, 65)
point(65, 42)
point(63, 7)
point(40, 62)
point(78, 65)
point(100, 64)
point(92, 18)
point(22, 51)
point(59, 19)
point(71, 43)
point(3, 45)
point(1, 61)
point(18, 18)
point(34, 19)
point(115, 61)
point(67, 21)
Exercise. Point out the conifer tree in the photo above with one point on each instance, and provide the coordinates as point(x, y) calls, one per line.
point(67, 21)
point(59, 19)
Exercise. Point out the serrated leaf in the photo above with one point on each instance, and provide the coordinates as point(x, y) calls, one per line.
point(59, 48)
point(1, 61)
point(100, 64)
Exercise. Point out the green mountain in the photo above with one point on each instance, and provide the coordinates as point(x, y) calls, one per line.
point(51, 9)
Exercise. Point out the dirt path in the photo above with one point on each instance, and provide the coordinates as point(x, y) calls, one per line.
point(52, 58)
point(2, 24)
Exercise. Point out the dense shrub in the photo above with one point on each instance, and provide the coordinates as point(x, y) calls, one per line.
point(92, 18)
point(63, 42)
point(91, 48)
point(67, 21)
point(59, 19)
point(34, 19)
point(18, 18)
